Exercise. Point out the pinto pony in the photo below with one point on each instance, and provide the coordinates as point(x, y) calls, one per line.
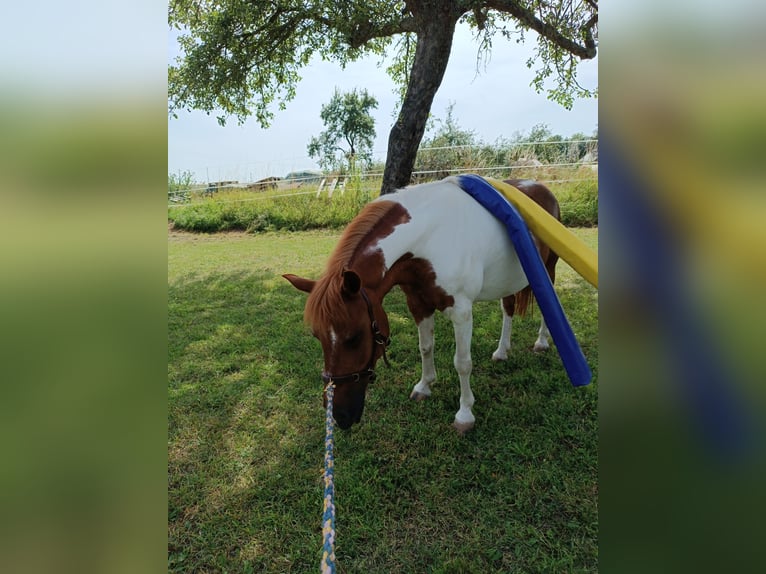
point(445, 251)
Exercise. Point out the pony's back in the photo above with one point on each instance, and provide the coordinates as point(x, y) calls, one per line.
point(468, 248)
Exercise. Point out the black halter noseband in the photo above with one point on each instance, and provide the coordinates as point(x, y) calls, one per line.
point(378, 338)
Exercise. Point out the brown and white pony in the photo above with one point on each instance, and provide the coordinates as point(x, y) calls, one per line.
point(445, 251)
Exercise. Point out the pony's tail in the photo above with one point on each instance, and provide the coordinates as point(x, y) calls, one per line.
point(523, 300)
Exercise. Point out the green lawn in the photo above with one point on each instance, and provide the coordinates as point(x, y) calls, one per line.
point(519, 493)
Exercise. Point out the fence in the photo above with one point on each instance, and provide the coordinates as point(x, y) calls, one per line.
point(546, 161)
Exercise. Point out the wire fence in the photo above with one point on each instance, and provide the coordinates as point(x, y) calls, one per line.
point(564, 161)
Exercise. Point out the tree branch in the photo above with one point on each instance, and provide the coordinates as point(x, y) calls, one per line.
point(364, 33)
point(587, 28)
point(528, 18)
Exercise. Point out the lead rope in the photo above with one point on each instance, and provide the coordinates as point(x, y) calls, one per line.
point(328, 517)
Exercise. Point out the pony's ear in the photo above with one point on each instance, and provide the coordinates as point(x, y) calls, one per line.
point(351, 283)
point(300, 283)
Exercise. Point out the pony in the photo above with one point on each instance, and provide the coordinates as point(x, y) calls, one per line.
point(444, 251)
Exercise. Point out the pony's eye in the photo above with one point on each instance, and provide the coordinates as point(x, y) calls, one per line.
point(354, 340)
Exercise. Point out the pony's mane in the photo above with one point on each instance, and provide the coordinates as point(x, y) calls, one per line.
point(326, 299)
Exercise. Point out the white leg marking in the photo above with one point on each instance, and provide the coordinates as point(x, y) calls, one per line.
point(504, 344)
point(542, 338)
point(462, 321)
point(426, 344)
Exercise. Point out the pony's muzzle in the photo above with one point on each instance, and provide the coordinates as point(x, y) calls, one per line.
point(348, 402)
point(344, 419)
point(346, 416)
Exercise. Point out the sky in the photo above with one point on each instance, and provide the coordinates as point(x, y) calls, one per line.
point(495, 102)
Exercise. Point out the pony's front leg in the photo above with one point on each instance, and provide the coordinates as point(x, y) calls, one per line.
point(426, 343)
point(462, 321)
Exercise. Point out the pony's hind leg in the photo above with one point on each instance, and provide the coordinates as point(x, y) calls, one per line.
point(544, 334)
point(542, 338)
point(462, 321)
point(422, 390)
point(504, 344)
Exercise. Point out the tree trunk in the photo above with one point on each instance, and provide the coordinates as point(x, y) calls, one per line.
point(431, 57)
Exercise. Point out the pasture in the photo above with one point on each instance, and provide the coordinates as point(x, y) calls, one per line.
point(300, 210)
point(519, 493)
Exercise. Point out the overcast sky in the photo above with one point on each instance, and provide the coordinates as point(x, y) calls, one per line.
point(496, 103)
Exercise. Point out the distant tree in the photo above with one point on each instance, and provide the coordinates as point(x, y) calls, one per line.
point(535, 144)
point(239, 56)
point(578, 147)
point(447, 149)
point(181, 181)
point(542, 144)
point(447, 132)
point(349, 133)
point(539, 133)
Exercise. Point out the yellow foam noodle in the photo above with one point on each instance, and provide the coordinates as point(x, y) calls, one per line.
point(565, 243)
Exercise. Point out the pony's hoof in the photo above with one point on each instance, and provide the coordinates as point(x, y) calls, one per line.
point(462, 428)
point(538, 348)
point(498, 356)
point(416, 396)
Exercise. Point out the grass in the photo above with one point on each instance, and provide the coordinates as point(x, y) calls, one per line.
point(244, 210)
point(245, 431)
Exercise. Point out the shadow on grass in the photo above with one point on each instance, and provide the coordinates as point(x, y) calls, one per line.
point(246, 435)
point(244, 443)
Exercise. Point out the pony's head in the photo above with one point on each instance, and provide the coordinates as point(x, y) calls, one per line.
point(352, 327)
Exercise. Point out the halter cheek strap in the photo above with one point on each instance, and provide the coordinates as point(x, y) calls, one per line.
point(378, 338)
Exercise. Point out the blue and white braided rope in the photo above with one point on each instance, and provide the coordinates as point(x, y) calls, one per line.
point(328, 517)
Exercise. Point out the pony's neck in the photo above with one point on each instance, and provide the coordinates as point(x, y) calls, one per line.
point(371, 267)
point(378, 257)
point(388, 262)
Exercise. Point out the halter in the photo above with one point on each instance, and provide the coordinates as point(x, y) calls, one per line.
point(378, 338)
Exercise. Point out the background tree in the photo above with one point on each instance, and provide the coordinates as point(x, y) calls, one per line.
point(240, 56)
point(348, 122)
point(447, 148)
point(549, 148)
point(448, 133)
